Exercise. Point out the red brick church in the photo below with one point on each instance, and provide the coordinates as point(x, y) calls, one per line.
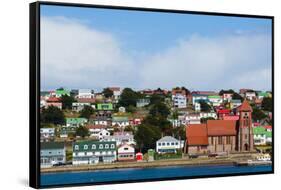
point(222, 135)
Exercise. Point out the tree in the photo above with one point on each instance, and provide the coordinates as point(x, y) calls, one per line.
point(236, 96)
point(258, 114)
point(267, 104)
point(87, 111)
point(67, 101)
point(205, 107)
point(179, 132)
point(156, 98)
point(82, 131)
point(205, 119)
point(146, 137)
point(107, 92)
point(128, 98)
point(52, 115)
point(159, 109)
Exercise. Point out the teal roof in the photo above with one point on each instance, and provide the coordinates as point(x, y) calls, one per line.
point(262, 131)
point(119, 119)
point(264, 94)
point(98, 146)
point(77, 120)
point(52, 145)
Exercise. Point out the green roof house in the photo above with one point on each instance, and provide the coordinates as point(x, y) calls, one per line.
point(75, 122)
point(262, 136)
point(93, 152)
point(61, 92)
point(105, 106)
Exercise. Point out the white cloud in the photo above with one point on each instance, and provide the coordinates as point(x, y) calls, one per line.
point(74, 55)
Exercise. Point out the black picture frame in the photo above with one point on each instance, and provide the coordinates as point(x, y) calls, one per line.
point(34, 88)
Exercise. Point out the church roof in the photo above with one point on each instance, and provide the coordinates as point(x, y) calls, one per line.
point(245, 106)
point(197, 134)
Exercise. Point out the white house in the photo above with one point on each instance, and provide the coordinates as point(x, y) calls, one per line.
point(85, 93)
point(168, 144)
point(215, 100)
point(250, 95)
point(47, 134)
point(121, 138)
point(98, 131)
point(78, 106)
point(125, 152)
point(197, 106)
point(199, 97)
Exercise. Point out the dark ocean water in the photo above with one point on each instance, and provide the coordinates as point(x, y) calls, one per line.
point(146, 173)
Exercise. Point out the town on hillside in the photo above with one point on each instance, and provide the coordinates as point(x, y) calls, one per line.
point(123, 125)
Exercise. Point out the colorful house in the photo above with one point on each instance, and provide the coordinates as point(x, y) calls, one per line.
point(52, 153)
point(75, 122)
point(93, 152)
point(120, 121)
point(262, 136)
point(64, 132)
point(126, 153)
point(215, 100)
point(105, 106)
point(60, 92)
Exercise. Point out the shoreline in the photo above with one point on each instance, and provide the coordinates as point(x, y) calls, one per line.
point(153, 164)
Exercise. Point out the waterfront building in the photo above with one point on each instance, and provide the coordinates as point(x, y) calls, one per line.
point(222, 135)
point(93, 152)
point(52, 153)
point(126, 152)
point(168, 144)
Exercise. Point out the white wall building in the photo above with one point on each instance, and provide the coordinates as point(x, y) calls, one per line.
point(125, 152)
point(85, 93)
point(47, 133)
point(179, 100)
point(168, 144)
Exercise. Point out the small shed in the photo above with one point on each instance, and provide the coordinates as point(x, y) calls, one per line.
point(139, 156)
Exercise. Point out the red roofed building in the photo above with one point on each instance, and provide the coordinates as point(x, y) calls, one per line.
point(222, 135)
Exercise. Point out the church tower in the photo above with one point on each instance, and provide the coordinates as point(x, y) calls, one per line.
point(245, 131)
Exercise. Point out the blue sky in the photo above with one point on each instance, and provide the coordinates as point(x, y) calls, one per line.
point(140, 39)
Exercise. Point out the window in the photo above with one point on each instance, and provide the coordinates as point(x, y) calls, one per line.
point(93, 146)
point(168, 144)
point(220, 140)
point(86, 147)
point(101, 146)
point(85, 153)
point(228, 140)
point(163, 144)
point(159, 144)
point(172, 143)
point(106, 146)
point(126, 148)
point(112, 146)
point(76, 147)
point(177, 143)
